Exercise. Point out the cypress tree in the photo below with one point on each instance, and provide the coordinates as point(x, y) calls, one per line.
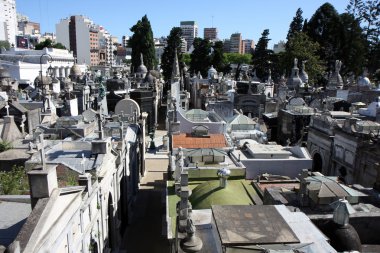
point(261, 56)
point(174, 42)
point(142, 42)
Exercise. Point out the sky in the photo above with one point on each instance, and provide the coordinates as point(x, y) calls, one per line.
point(248, 17)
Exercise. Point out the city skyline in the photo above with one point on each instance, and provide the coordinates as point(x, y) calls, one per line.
point(249, 20)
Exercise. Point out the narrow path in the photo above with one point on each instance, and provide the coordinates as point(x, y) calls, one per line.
point(144, 234)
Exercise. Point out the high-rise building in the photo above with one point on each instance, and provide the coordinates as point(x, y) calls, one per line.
point(183, 45)
point(236, 45)
point(210, 33)
point(226, 45)
point(8, 21)
point(28, 32)
point(189, 32)
point(90, 43)
point(279, 47)
point(249, 46)
point(125, 40)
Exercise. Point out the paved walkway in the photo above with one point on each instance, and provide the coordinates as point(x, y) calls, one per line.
point(144, 234)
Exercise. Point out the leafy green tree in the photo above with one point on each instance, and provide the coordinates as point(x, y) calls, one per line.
point(186, 58)
point(278, 65)
point(5, 44)
point(49, 44)
point(261, 56)
point(217, 57)
point(59, 46)
point(13, 182)
point(323, 28)
point(235, 58)
point(174, 42)
point(238, 59)
point(200, 57)
point(367, 13)
point(352, 51)
point(304, 49)
point(296, 25)
point(142, 42)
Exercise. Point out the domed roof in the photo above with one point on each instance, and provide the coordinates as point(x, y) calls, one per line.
point(75, 70)
point(4, 73)
point(364, 81)
point(142, 68)
point(211, 72)
point(294, 82)
point(46, 80)
point(149, 78)
point(342, 238)
point(210, 193)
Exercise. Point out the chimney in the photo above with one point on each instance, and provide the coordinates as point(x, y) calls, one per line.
point(223, 174)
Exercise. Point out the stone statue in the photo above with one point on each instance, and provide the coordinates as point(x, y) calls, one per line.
point(102, 91)
point(338, 65)
point(295, 63)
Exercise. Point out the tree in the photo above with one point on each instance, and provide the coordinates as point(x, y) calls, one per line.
point(174, 42)
point(13, 182)
point(59, 46)
point(323, 28)
point(261, 56)
point(5, 44)
point(49, 44)
point(296, 25)
point(142, 42)
point(186, 58)
point(304, 49)
point(352, 51)
point(367, 13)
point(238, 59)
point(200, 57)
point(217, 56)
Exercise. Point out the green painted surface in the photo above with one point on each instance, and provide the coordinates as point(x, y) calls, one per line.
point(207, 193)
point(210, 193)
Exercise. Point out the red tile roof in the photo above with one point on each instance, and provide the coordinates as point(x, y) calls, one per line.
point(189, 141)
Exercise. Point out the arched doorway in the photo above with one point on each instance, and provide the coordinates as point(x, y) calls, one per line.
point(317, 162)
point(110, 222)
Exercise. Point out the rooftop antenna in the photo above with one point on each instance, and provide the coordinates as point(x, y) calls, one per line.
point(212, 21)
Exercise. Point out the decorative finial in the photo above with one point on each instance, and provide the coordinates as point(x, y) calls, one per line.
point(141, 59)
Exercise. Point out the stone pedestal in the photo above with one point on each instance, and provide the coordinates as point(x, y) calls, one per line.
point(42, 181)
